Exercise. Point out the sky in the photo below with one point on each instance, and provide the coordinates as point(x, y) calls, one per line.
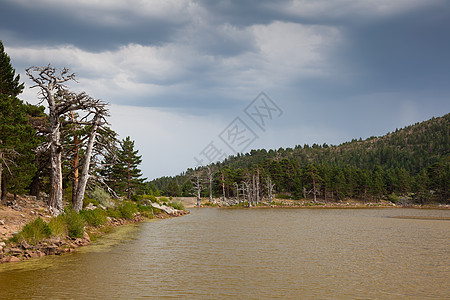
point(192, 82)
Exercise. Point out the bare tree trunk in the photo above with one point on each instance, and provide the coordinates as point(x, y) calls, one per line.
point(314, 190)
point(223, 187)
point(199, 190)
point(75, 163)
point(210, 179)
point(55, 201)
point(253, 189)
point(236, 185)
point(248, 190)
point(257, 186)
point(85, 170)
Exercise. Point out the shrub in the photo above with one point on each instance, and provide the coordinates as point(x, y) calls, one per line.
point(127, 210)
point(144, 199)
point(393, 198)
point(177, 204)
point(284, 196)
point(58, 226)
point(113, 213)
point(75, 224)
point(96, 217)
point(163, 200)
point(34, 232)
point(99, 196)
point(156, 211)
point(88, 200)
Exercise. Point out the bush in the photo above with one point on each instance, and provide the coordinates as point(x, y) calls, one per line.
point(284, 196)
point(393, 198)
point(34, 232)
point(58, 226)
point(75, 224)
point(96, 217)
point(156, 211)
point(127, 210)
point(145, 211)
point(177, 204)
point(113, 213)
point(98, 196)
point(163, 200)
point(144, 199)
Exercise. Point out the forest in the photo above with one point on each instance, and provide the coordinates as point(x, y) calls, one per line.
point(407, 166)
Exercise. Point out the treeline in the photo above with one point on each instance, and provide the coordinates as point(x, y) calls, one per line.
point(411, 165)
point(62, 151)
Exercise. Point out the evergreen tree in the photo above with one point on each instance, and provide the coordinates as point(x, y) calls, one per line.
point(17, 137)
point(9, 81)
point(128, 175)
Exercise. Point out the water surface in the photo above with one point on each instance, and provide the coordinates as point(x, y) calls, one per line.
point(252, 254)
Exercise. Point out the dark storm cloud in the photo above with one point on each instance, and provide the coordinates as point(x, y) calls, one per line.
point(56, 25)
point(244, 12)
point(410, 51)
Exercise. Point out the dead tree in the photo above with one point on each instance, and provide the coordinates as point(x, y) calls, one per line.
point(98, 111)
point(257, 186)
point(236, 186)
point(223, 187)
point(210, 181)
point(61, 102)
point(248, 192)
point(270, 187)
point(198, 187)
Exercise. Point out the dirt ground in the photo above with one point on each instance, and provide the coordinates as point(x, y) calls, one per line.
point(13, 218)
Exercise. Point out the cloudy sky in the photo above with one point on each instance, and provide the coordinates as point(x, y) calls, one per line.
point(183, 76)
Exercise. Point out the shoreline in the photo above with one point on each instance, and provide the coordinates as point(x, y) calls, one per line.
point(299, 204)
point(13, 220)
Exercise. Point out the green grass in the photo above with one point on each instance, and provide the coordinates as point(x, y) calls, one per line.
point(127, 210)
point(34, 232)
point(75, 224)
point(96, 217)
point(58, 225)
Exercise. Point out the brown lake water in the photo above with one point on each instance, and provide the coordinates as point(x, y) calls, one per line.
point(252, 254)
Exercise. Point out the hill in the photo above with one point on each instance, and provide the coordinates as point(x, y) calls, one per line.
point(410, 165)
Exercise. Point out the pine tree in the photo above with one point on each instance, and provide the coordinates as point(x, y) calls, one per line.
point(126, 170)
point(9, 81)
point(17, 137)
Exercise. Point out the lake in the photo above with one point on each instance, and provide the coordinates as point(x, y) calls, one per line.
point(217, 253)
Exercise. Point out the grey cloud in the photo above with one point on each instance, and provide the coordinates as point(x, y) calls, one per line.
point(59, 26)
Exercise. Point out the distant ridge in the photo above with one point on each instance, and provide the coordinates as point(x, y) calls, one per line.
point(412, 163)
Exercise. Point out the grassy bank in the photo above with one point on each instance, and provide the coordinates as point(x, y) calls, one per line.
point(70, 230)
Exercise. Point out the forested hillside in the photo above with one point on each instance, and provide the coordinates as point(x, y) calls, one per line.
point(411, 165)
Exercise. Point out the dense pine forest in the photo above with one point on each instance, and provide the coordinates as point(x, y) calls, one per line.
point(408, 166)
